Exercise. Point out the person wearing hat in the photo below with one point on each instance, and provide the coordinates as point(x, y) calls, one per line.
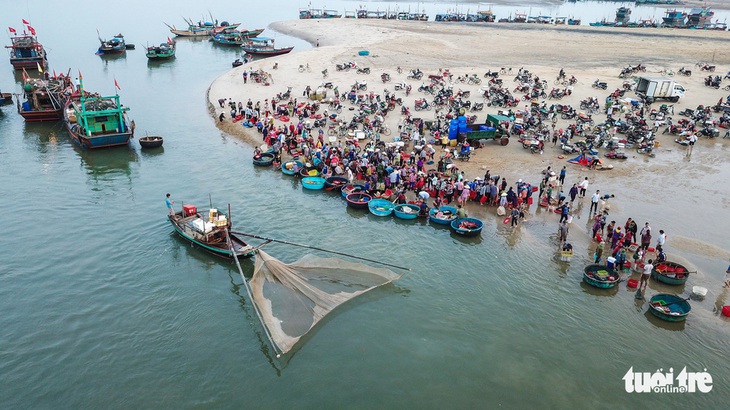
point(616, 237)
point(460, 212)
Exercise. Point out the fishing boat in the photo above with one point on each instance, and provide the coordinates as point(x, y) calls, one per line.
point(573, 22)
point(699, 17)
point(358, 200)
point(406, 211)
point(6, 98)
point(44, 99)
point(314, 183)
point(309, 172)
point(150, 141)
point(331, 14)
point(264, 47)
point(467, 226)
point(310, 13)
point(162, 52)
point(671, 273)
point(600, 276)
point(264, 159)
point(202, 29)
point(623, 15)
point(351, 189)
point(26, 52)
point(291, 167)
point(673, 18)
point(209, 233)
point(116, 45)
point(668, 307)
point(94, 121)
point(380, 207)
point(232, 37)
point(335, 183)
point(448, 214)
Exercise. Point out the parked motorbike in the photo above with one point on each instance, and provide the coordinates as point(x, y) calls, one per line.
point(686, 73)
point(345, 66)
point(600, 84)
point(616, 155)
point(363, 70)
point(422, 104)
point(385, 77)
point(360, 85)
point(706, 67)
point(415, 74)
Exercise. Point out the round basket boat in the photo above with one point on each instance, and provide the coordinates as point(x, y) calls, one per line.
point(600, 276)
point(363, 53)
point(380, 207)
point(264, 159)
point(449, 214)
point(668, 307)
point(309, 172)
point(358, 200)
point(670, 273)
point(351, 189)
point(291, 167)
point(334, 183)
point(467, 226)
point(407, 211)
point(150, 141)
point(313, 182)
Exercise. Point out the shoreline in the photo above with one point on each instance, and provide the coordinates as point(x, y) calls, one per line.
point(476, 51)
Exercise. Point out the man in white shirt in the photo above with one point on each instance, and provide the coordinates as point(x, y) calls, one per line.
point(692, 139)
point(594, 202)
point(648, 267)
point(583, 187)
point(660, 240)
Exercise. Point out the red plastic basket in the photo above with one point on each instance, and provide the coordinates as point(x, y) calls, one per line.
point(632, 283)
point(726, 311)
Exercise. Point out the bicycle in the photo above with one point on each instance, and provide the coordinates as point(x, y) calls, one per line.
point(506, 70)
point(667, 72)
point(324, 73)
point(303, 68)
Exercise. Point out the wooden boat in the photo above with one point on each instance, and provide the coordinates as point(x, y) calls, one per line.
point(351, 189)
point(380, 207)
point(315, 183)
point(26, 52)
point(668, 307)
point(264, 159)
point(162, 52)
point(449, 214)
point(600, 276)
point(467, 226)
point(335, 183)
point(209, 232)
point(264, 47)
point(671, 273)
point(358, 200)
point(114, 46)
point(97, 122)
point(406, 211)
point(44, 99)
point(291, 167)
point(202, 29)
point(150, 141)
point(228, 38)
point(6, 98)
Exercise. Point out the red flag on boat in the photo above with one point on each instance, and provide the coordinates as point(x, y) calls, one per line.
point(169, 41)
point(116, 84)
point(54, 73)
point(12, 30)
point(25, 21)
point(80, 77)
point(25, 75)
point(32, 30)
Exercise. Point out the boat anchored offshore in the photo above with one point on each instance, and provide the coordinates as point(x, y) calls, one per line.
point(26, 52)
point(263, 47)
point(97, 122)
point(116, 45)
point(211, 233)
point(45, 99)
point(162, 52)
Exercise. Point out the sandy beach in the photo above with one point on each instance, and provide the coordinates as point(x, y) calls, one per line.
point(587, 53)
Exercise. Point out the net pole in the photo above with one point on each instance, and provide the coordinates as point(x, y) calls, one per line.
point(320, 249)
point(250, 295)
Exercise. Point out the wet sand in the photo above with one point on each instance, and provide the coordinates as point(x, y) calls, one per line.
point(679, 193)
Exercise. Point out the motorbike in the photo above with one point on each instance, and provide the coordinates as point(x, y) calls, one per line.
point(325, 73)
point(600, 84)
point(360, 85)
point(385, 77)
point(707, 67)
point(405, 111)
point(428, 89)
point(400, 86)
point(714, 82)
point(491, 74)
point(709, 132)
point(363, 70)
point(327, 84)
point(345, 66)
point(569, 148)
point(686, 73)
point(463, 154)
point(415, 74)
point(616, 155)
point(477, 107)
point(422, 105)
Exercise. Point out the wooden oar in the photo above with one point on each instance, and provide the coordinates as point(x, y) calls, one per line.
point(318, 249)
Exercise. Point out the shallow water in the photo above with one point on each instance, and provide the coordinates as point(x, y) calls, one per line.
point(103, 306)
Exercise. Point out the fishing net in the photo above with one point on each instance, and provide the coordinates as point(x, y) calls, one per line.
point(292, 298)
